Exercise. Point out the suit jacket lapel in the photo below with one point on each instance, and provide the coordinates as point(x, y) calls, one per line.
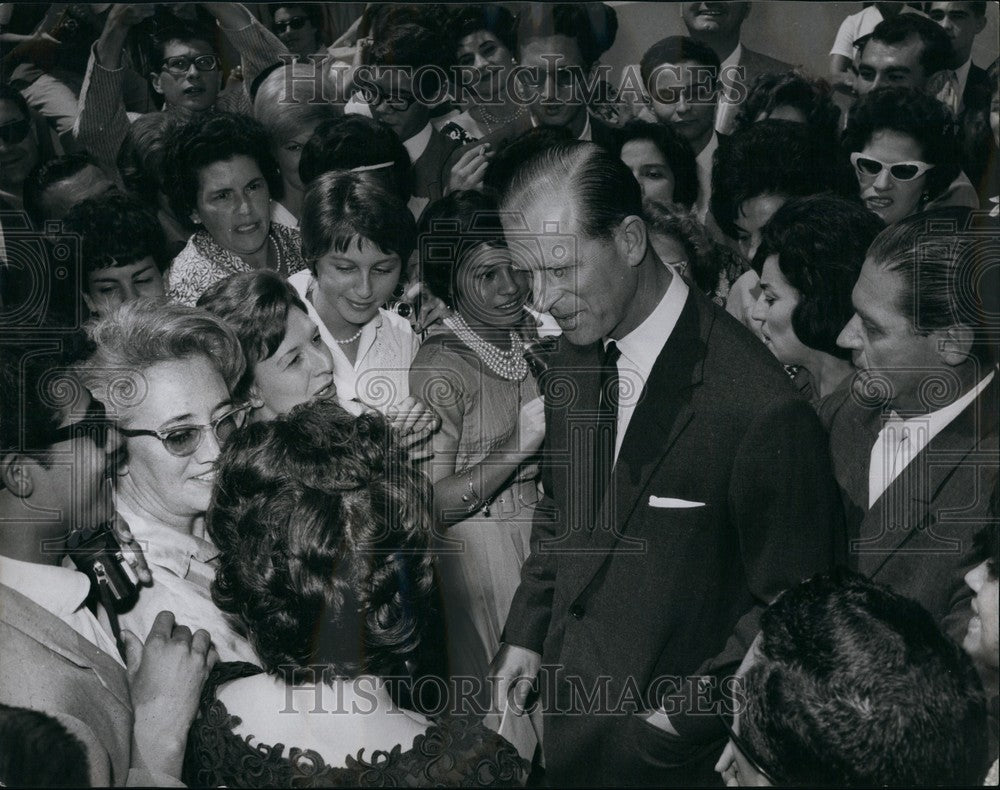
point(660, 417)
point(906, 506)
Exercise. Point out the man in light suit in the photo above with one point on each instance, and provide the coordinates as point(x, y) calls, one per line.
point(56, 450)
point(915, 443)
point(718, 25)
point(675, 517)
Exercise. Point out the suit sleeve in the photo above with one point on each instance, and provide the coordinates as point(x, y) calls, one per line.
point(785, 508)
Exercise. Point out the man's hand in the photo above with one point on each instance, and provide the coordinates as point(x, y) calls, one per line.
point(468, 171)
point(165, 678)
point(121, 18)
point(513, 672)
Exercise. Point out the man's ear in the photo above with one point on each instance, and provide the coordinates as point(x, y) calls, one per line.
point(631, 239)
point(955, 345)
point(15, 474)
point(154, 80)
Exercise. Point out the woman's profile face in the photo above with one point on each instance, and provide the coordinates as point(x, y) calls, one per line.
point(485, 53)
point(300, 369)
point(650, 168)
point(180, 392)
point(233, 204)
point(290, 152)
point(889, 197)
point(773, 310)
point(488, 290)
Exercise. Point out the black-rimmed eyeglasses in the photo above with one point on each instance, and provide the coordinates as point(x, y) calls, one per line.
point(181, 64)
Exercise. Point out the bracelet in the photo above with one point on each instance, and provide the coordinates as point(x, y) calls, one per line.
point(472, 499)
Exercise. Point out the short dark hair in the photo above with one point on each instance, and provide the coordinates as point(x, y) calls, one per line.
point(45, 174)
point(495, 19)
point(414, 48)
point(897, 29)
point(674, 50)
point(945, 258)
point(116, 230)
point(821, 242)
point(341, 209)
point(213, 137)
point(857, 686)
point(745, 167)
point(676, 151)
point(603, 188)
point(449, 229)
point(811, 96)
point(911, 112)
point(33, 383)
point(515, 153)
point(978, 7)
point(140, 158)
point(177, 30)
point(323, 529)
point(255, 305)
point(357, 141)
point(38, 751)
point(313, 12)
point(593, 26)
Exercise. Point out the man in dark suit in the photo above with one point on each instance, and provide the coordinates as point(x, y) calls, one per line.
point(915, 444)
point(962, 22)
point(682, 500)
point(718, 25)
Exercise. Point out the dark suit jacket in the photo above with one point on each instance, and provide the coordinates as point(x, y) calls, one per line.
point(653, 595)
point(603, 134)
point(976, 97)
point(432, 168)
point(917, 537)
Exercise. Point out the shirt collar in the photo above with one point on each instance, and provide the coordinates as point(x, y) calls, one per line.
point(936, 421)
point(166, 547)
point(643, 344)
point(587, 133)
point(734, 57)
point(417, 144)
point(56, 589)
point(962, 72)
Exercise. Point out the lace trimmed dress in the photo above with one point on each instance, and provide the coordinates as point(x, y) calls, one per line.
point(453, 752)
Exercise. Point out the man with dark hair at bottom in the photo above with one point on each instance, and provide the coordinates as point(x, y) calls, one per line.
point(678, 507)
point(852, 685)
point(915, 444)
point(131, 711)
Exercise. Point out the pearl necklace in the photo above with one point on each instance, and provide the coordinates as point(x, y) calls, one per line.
point(510, 365)
point(351, 339)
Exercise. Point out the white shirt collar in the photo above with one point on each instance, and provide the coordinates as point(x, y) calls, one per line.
point(56, 589)
point(962, 72)
point(643, 344)
point(164, 546)
point(417, 144)
point(936, 421)
point(733, 58)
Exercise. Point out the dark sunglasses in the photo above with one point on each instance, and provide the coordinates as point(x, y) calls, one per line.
point(14, 132)
point(94, 422)
point(181, 64)
point(747, 751)
point(901, 171)
point(376, 98)
point(295, 23)
point(184, 440)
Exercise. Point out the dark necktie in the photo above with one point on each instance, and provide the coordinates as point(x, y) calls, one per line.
point(607, 425)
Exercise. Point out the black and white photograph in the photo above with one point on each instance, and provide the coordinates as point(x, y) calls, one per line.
point(515, 394)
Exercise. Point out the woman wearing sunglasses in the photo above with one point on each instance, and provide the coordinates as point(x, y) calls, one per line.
point(903, 145)
point(20, 147)
point(300, 28)
point(165, 372)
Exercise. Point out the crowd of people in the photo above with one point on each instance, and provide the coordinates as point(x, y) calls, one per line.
point(392, 394)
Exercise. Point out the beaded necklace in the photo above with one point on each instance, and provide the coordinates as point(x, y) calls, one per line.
point(510, 365)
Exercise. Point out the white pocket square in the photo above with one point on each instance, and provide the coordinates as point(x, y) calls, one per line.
point(666, 501)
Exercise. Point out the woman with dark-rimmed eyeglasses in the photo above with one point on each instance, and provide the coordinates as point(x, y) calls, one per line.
point(165, 373)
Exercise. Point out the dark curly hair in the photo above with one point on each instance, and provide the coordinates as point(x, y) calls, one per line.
point(745, 167)
point(211, 138)
point(593, 26)
point(495, 19)
point(449, 229)
point(255, 305)
point(116, 230)
point(811, 96)
point(175, 29)
point(913, 113)
point(821, 242)
point(357, 141)
point(856, 686)
point(419, 51)
point(676, 151)
point(341, 209)
point(322, 527)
